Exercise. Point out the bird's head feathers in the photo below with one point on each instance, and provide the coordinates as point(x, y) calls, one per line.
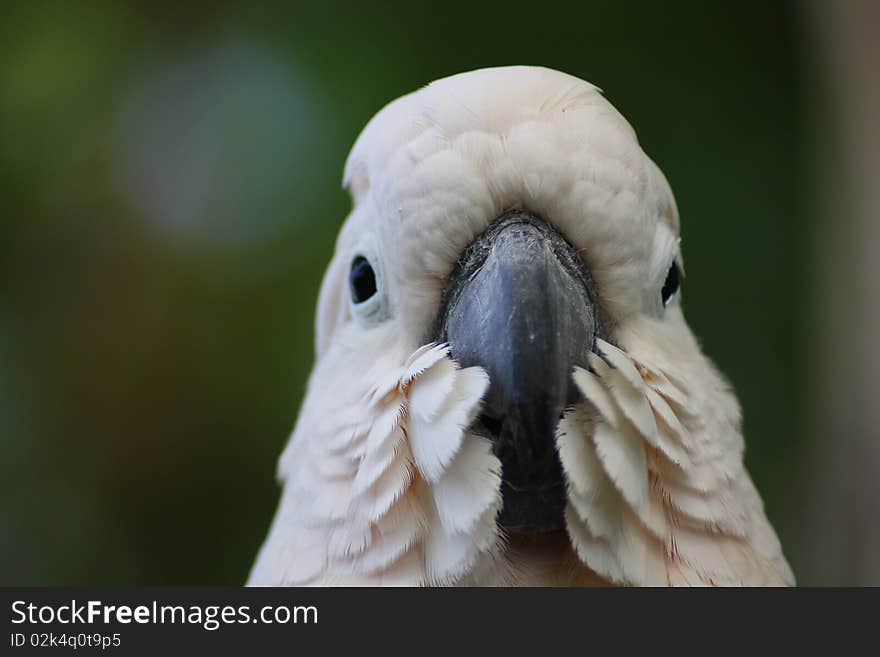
point(434, 168)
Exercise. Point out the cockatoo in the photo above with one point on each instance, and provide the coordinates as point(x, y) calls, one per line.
point(506, 391)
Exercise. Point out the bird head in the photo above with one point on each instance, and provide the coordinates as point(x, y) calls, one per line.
point(501, 352)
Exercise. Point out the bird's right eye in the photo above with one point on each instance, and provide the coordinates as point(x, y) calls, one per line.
point(361, 280)
point(671, 285)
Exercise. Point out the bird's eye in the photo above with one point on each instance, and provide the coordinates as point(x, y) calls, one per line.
point(671, 285)
point(369, 301)
point(361, 280)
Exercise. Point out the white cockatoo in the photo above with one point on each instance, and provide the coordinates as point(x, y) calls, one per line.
point(506, 391)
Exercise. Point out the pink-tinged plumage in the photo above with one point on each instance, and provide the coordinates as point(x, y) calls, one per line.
point(386, 480)
point(416, 507)
point(702, 525)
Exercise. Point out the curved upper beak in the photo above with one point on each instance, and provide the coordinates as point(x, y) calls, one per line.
point(521, 304)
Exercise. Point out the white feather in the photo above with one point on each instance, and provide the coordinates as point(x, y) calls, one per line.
point(596, 393)
point(624, 460)
point(582, 468)
point(470, 485)
point(395, 533)
point(376, 461)
point(435, 442)
point(423, 358)
point(386, 490)
point(594, 552)
point(428, 393)
point(448, 557)
point(622, 363)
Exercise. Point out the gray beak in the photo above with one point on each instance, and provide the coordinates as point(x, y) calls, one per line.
point(521, 304)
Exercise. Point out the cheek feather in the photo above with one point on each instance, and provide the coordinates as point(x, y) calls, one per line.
point(657, 490)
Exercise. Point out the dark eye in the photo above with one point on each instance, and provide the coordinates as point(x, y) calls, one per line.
point(361, 280)
point(670, 287)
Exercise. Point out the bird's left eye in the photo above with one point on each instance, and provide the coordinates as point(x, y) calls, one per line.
point(671, 285)
point(361, 280)
point(369, 302)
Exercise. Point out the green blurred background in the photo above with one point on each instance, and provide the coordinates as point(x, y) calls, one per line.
point(172, 194)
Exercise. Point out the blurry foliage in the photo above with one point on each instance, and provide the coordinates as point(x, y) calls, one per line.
point(172, 196)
